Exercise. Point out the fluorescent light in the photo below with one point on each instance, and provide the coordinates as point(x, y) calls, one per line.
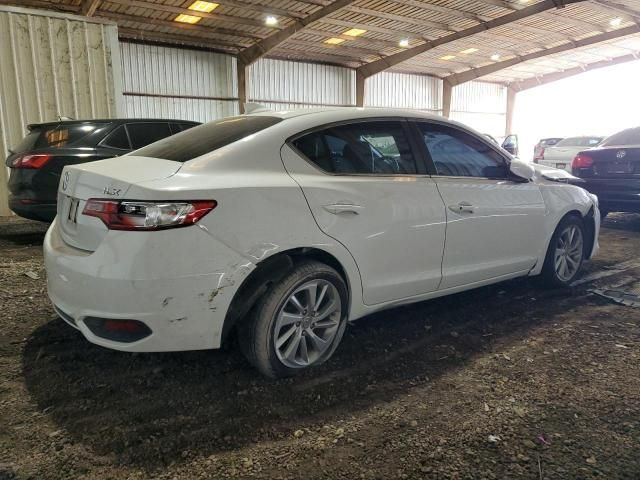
point(448, 57)
point(187, 18)
point(404, 43)
point(271, 21)
point(334, 41)
point(354, 32)
point(200, 6)
point(469, 50)
point(495, 57)
point(615, 22)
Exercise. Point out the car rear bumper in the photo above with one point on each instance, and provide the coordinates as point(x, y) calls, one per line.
point(27, 207)
point(615, 195)
point(134, 277)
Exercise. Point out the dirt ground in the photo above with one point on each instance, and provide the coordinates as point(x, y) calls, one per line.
point(509, 381)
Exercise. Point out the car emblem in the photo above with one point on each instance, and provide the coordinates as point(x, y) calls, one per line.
point(621, 154)
point(65, 180)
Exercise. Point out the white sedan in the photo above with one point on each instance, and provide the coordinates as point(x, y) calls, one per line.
point(561, 154)
point(282, 226)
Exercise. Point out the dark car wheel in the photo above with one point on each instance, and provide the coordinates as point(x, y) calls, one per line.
point(298, 323)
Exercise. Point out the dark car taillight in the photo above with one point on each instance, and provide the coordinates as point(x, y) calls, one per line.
point(582, 161)
point(140, 215)
point(36, 160)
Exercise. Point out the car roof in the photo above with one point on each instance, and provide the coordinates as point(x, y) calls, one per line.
point(107, 120)
point(353, 112)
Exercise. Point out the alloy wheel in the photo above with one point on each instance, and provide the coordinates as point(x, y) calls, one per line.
point(568, 253)
point(307, 323)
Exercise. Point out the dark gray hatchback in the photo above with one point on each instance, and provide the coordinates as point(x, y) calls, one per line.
point(36, 163)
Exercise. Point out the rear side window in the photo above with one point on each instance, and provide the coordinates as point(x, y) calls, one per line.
point(117, 139)
point(206, 138)
point(143, 134)
point(181, 127)
point(373, 148)
point(624, 138)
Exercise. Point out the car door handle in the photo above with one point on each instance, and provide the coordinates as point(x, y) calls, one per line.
point(338, 208)
point(462, 207)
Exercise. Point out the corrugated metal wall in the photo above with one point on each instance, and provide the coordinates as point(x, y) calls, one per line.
point(280, 84)
point(53, 65)
point(400, 90)
point(482, 106)
point(162, 82)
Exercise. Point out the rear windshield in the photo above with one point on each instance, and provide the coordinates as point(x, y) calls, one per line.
point(205, 138)
point(54, 136)
point(579, 142)
point(626, 137)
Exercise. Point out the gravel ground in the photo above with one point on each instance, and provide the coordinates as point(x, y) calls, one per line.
point(508, 381)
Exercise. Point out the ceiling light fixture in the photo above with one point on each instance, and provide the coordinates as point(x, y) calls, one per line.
point(404, 43)
point(495, 57)
point(201, 6)
point(334, 41)
point(448, 57)
point(191, 19)
point(354, 32)
point(271, 21)
point(469, 50)
point(615, 22)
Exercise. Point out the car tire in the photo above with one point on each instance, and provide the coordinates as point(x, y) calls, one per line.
point(298, 323)
point(565, 254)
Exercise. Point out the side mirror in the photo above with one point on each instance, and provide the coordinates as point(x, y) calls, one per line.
point(522, 169)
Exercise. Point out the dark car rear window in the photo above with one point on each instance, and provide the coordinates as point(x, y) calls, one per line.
point(55, 136)
point(206, 138)
point(623, 138)
point(27, 143)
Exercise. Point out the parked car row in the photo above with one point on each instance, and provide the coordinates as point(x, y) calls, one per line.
point(608, 167)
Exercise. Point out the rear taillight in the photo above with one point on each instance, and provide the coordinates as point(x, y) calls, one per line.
point(37, 160)
point(582, 161)
point(132, 215)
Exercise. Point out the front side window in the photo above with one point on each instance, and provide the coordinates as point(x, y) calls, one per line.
point(458, 154)
point(373, 148)
point(143, 134)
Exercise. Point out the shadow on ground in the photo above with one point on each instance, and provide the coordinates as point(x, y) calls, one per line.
point(147, 409)
point(150, 410)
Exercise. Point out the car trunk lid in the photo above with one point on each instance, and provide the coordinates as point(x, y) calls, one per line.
point(105, 179)
point(611, 162)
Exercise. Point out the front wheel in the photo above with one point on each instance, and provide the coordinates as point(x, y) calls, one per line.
point(566, 253)
point(298, 323)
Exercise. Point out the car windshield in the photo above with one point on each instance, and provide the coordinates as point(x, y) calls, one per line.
point(206, 138)
point(630, 136)
point(579, 142)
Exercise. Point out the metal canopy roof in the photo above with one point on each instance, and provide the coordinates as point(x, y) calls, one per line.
point(519, 42)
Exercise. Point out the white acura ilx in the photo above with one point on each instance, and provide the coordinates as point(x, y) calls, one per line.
point(285, 225)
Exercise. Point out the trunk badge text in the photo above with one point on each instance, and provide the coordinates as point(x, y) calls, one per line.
point(111, 191)
point(621, 154)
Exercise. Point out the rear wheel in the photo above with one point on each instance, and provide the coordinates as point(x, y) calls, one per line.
point(566, 253)
point(298, 323)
